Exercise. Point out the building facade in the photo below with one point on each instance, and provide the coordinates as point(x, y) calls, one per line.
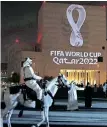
point(3, 72)
point(58, 55)
point(15, 56)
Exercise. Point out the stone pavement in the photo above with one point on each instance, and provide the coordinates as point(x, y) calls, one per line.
point(96, 116)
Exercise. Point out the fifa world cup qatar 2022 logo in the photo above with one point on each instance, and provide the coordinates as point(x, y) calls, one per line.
point(76, 38)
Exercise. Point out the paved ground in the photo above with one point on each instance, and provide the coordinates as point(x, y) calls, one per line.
point(102, 104)
point(96, 116)
point(63, 118)
point(24, 125)
point(61, 105)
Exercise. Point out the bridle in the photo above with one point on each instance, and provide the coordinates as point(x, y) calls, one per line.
point(61, 84)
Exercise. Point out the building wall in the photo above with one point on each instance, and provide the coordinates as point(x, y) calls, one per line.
point(56, 35)
point(15, 56)
point(55, 30)
point(38, 61)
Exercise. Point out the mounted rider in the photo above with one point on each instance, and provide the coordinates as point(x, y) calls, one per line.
point(31, 78)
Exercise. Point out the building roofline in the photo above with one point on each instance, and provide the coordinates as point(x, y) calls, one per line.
point(91, 3)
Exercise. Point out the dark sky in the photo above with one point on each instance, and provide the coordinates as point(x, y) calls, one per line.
point(19, 20)
point(14, 13)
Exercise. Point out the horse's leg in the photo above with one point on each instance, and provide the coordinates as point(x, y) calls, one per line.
point(10, 102)
point(9, 117)
point(8, 112)
point(4, 112)
point(43, 118)
point(46, 111)
point(1, 122)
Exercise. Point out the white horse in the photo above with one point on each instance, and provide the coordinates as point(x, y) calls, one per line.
point(11, 101)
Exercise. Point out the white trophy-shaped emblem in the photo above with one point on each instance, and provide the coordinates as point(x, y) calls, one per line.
point(76, 38)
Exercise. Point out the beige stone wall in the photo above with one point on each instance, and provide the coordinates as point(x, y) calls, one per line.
point(56, 35)
point(15, 56)
point(14, 62)
point(38, 61)
point(55, 30)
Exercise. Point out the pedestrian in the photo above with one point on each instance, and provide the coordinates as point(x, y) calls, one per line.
point(95, 90)
point(105, 88)
point(88, 96)
point(72, 97)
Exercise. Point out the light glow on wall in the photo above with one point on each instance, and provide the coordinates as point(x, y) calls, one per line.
point(80, 76)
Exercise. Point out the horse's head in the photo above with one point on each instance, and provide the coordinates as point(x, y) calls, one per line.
point(73, 82)
point(62, 80)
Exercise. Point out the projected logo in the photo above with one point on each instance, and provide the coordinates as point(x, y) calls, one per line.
point(76, 38)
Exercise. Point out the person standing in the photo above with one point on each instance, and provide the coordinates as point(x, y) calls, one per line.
point(88, 96)
point(105, 88)
point(72, 97)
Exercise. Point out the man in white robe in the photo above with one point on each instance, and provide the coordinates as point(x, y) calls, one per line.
point(72, 97)
point(105, 88)
point(28, 102)
point(31, 78)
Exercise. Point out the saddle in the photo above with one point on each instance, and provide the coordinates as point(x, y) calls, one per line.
point(31, 94)
point(28, 93)
point(14, 89)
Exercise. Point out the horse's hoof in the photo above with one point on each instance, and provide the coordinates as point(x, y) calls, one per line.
point(47, 126)
point(35, 125)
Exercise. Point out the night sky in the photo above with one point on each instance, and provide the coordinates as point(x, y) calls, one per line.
point(19, 21)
